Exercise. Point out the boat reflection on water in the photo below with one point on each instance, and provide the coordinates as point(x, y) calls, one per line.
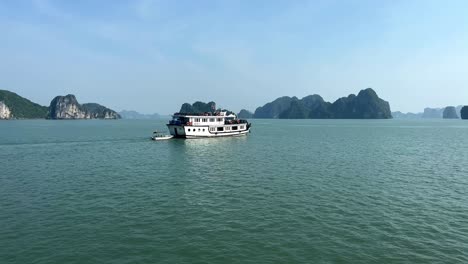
point(210, 142)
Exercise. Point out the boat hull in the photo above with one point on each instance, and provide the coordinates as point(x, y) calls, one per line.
point(161, 138)
point(189, 132)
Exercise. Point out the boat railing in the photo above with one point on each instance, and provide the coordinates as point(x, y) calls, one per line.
point(197, 114)
point(233, 122)
point(226, 122)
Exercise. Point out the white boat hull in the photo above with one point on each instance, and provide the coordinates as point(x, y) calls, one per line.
point(184, 131)
point(157, 138)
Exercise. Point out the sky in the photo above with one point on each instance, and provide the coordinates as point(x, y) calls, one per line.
point(152, 56)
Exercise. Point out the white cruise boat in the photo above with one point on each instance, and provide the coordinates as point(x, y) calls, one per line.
point(217, 124)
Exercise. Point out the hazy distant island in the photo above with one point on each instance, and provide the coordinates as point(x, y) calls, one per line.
point(450, 113)
point(365, 105)
point(13, 106)
point(430, 113)
point(401, 115)
point(130, 114)
point(245, 114)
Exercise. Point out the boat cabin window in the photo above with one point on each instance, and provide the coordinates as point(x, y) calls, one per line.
point(220, 129)
point(220, 119)
point(241, 127)
point(181, 119)
point(204, 119)
point(234, 128)
point(197, 119)
point(212, 119)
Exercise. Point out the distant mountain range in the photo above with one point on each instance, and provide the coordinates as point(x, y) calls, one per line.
point(13, 106)
point(365, 105)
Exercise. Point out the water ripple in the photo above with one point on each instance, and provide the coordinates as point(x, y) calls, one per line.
point(294, 191)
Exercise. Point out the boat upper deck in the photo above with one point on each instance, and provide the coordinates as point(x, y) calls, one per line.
point(203, 119)
point(220, 114)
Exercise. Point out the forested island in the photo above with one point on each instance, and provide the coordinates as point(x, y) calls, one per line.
point(365, 105)
point(13, 106)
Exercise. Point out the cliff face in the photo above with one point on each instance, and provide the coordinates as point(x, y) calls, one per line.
point(366, 105)
point(5, 112)
point(464, 112)
point(450, 112)
point(67, 107)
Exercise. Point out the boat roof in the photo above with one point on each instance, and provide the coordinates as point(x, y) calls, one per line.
point(207, 114)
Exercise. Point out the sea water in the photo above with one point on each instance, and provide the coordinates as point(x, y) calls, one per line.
point(292, 191)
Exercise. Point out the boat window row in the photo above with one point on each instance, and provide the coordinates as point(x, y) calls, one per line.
point(204, 120)
point(217, 129)
point(194, 130)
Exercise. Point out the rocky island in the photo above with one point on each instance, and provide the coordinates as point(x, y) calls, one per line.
point(450, 112)
point(67, 107)
point(464, 112)
point(13, 106)
point(245, 114)
point(198, 107)
point(365, 105)
point(201, 107)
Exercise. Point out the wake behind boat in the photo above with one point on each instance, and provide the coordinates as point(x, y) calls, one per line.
point(209, 124)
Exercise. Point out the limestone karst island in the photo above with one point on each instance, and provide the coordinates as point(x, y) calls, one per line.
point(13, 106)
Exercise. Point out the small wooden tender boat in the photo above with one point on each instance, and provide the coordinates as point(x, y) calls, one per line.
point(159, 136)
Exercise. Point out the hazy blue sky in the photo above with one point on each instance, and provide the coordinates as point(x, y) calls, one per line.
point(151, 56)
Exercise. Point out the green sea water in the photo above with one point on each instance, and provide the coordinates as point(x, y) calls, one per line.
point(292, 191)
